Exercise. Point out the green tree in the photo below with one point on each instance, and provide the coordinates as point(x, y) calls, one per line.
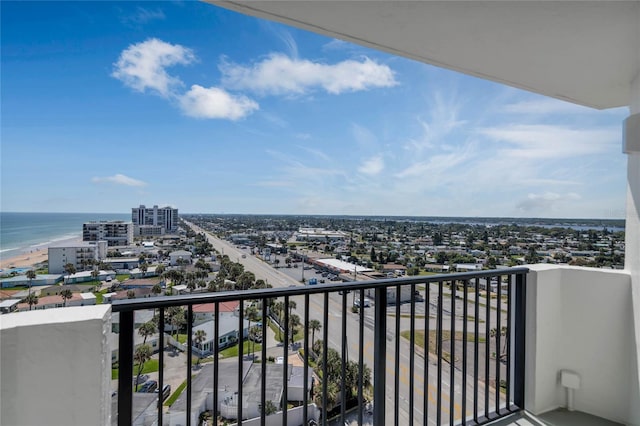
point(31, 275)
point(156, 289)
point(69, 269)
point(147, 329)
point(314, 325)
point(66, 294)
point(251, 314)
point(141, 356)
point(95, 274)
point(199, 338)
point(31, 299)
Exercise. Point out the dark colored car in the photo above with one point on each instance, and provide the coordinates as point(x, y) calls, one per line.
point(149, 386)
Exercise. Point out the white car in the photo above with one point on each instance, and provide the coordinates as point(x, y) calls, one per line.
point(366, 303)
point(280, 360)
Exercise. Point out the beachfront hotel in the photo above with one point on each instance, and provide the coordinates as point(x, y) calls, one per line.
point(572, 333)
point(154, 221)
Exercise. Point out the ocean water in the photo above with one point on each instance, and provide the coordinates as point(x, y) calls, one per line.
point(23, 232)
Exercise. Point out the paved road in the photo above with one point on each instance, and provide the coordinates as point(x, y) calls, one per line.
point(316, 309)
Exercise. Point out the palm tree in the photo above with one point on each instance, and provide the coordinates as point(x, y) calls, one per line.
point(69, 269)
point(95, 274)
point(156, 289)
point(31, 299)
point(277, 308)
point(251, 313)
point(292, 306)
point(147, 329)
point(144, 268)
point(160, 269)
point(314, 325)
point(199, 338)
point(131, 294)
point(66, 294)
point(142, 355)
point(294, 321)
point(31, 275)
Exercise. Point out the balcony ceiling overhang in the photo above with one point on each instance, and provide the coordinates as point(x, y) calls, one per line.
point(585, 52)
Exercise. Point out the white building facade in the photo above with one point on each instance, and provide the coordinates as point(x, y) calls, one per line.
point(155, 220)
point(79, 254)
point(115, 233)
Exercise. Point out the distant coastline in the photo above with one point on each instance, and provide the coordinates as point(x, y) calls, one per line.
point(24, 233)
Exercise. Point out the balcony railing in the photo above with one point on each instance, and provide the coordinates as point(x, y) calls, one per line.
point(444, 349)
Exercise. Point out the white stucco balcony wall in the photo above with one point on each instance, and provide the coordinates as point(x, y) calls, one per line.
point(581, 319)
point(55, 367)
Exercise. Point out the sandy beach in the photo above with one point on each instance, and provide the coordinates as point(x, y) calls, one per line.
point(33, 256)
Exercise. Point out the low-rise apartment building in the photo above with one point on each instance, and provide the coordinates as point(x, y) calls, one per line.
point(79, 254)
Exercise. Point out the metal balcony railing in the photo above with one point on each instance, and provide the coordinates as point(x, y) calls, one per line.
point(445, 349)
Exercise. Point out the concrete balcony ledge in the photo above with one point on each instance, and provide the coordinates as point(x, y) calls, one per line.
point(55, 367)
point(582, 320)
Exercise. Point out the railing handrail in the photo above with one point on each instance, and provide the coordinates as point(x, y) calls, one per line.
point(265, 293)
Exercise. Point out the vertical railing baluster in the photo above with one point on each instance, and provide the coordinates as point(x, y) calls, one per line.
point(305, 379)
point(216, 357)
point(263, 364)
point(465, 318)
point(498, 341)
point(509, 338)
point(487, 354)
point(344, 355)
point(240, 361)
point(125, 373)
point(476, 348)
point(325, 338)
point(519, 338)
point(412, 349)
point(452, 354)
point(189, 359)
point(439, 350)
point(361, 360)
point(285, 363)
point(396, 388)
point(160, 363)
point(380, 357)
point(427, 337)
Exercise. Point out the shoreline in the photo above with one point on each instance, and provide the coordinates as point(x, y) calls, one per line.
point(32, 257)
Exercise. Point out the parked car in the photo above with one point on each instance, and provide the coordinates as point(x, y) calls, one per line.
point(366, 303)
point(140, 380)
point(149, 386)
point(166, 391)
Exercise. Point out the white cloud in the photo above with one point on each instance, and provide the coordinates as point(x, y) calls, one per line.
point(545, 106)
point(119, 179)
point(279, 74)
point(212, 102)
point(142, 66)
point(545, 202)
point(372, 166)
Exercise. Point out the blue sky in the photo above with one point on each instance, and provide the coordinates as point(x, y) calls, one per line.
point(108, 105)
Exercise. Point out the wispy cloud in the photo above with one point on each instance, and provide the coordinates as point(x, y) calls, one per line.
point(372, 166)
point(279, 74)
point(119, 179)
point(545, 106)
point(542, 141)
point(142, 66)
point(546, 202)
point(212, 102)
point(142, 16)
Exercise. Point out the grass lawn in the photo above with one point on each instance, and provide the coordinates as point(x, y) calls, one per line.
point(425, 273)
point(433, 335)
point(99, 298)
point(175, 394)
point(246, 347)
point(122, 277)
point(182, 338)
point(150, 366)
point(279, 334)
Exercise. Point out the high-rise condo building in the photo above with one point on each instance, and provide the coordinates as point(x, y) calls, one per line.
point(115, 233)
point(154, 221)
